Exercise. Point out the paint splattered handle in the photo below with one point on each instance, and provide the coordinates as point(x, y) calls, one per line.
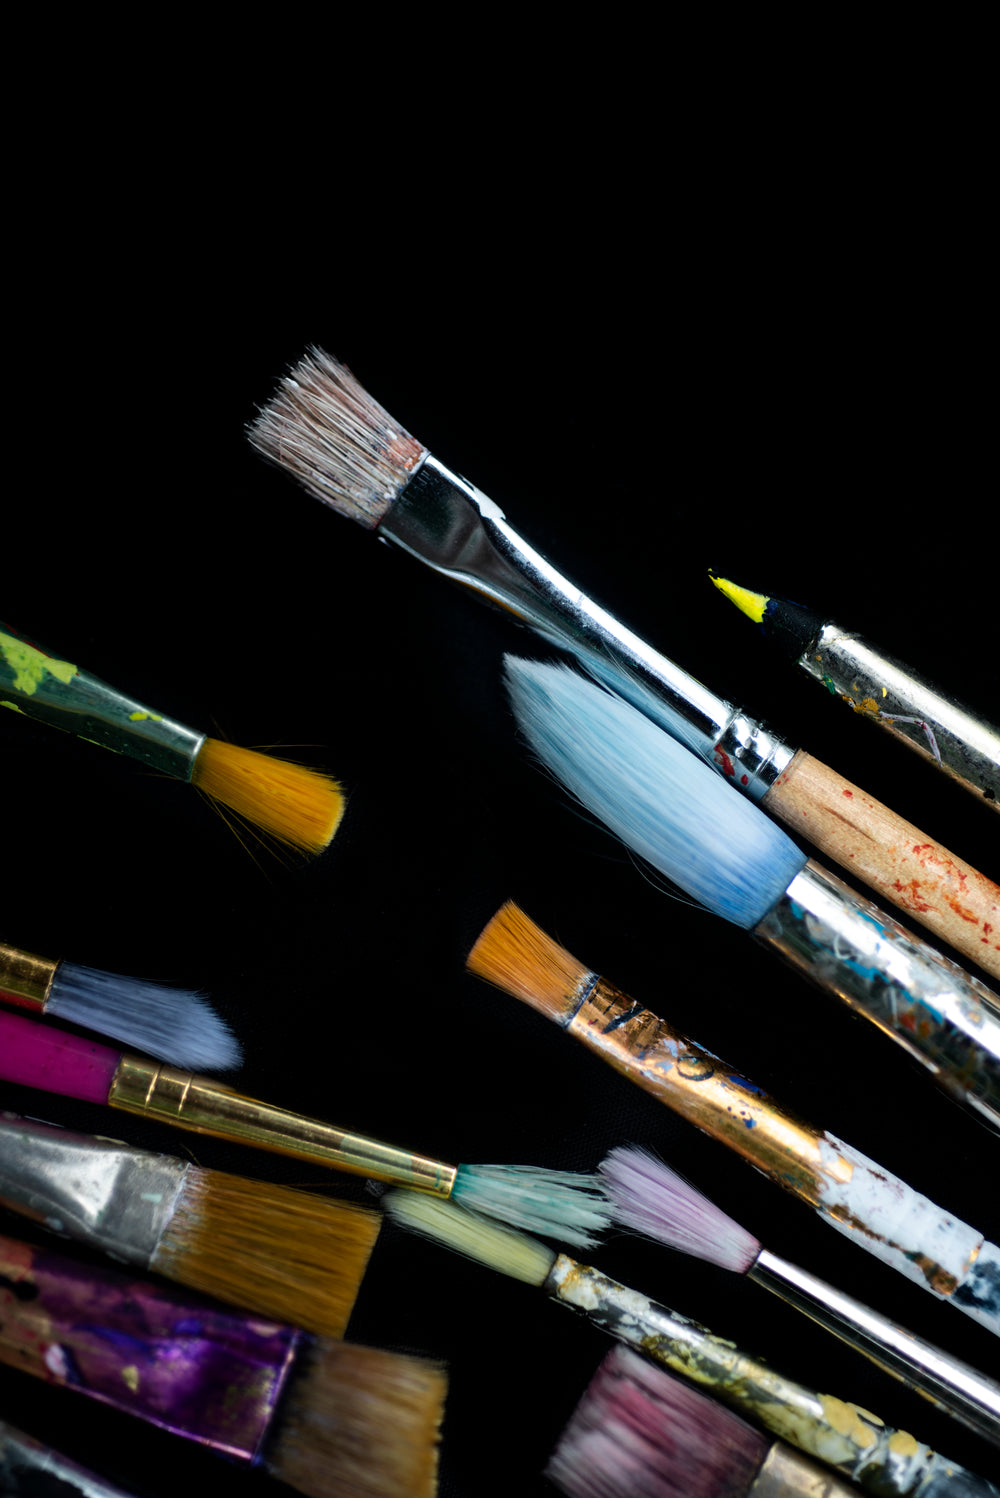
point(896, 859)
point(174, 1360)
point(58, 693)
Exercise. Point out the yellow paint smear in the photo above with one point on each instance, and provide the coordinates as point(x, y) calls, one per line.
point(30, 665)
point(140, 717)
point(901, 1443)
point(850, 1420)
point(131, 1376)
point(751, 604)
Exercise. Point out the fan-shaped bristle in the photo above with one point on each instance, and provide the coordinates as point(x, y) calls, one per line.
point(656, 796)
point(653, 1199)
point(286, 1254)
point(638, 1433)
point(563, 1204)
point(173, 1024)
point(292, 803)
point(342, 447)
point(502, 1249)
point(517, 956)
point(361, 1423)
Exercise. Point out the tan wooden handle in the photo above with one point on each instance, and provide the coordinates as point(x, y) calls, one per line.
point(893, 857)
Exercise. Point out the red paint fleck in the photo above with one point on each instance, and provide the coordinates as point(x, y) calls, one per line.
point(910, 896)
point(723, 760)
point(848, 793)
point(744, 780)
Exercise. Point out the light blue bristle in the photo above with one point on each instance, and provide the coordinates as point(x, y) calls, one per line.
point(563, 1204)
point(655, 795)
point(173, 1024)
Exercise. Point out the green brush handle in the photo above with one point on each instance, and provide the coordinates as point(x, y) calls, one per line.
point(58, 693)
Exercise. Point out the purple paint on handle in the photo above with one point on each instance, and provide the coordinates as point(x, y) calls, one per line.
point(39, 1055)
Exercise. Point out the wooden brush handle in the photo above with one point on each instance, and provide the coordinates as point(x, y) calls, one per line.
point(892, 856)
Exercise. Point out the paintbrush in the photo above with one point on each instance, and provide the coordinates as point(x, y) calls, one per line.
point(867, 1203)
point(650, 1198)
point(29, 1468)
point(639, 1433)
point(286, 1254)
point(563, 1204)
point(318, 1413)
point(325, 429)
point(845, 1437)
point(665, 805)
point(296, 805)
point(175, 1024)
point(878, 687)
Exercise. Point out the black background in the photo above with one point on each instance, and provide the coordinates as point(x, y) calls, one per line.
point(777, 378)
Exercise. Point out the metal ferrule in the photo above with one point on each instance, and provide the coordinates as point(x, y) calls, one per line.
point(205, 1107)
point(947, 1382)
point(58, 693)
point(25, 1462)
point(25, 980)
point(702, 1088)
point(844, 1436)
point(948, 1020)
point(910, 709)
point(785, 1473)
point(458, 531)
point(95, 1191)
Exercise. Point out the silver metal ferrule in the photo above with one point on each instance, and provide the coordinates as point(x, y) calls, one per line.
point(95, 1191)
point(23, 1459)
point(930, 1005)
point(966, 1394)
point(909, 708)
point(458, 531)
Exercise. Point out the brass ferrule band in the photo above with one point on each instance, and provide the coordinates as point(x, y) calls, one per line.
point(25, 978)
point(785, 1473)
point(704, 1090)
point(206, 1107)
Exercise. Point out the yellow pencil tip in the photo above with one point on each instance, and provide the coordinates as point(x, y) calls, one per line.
point(751, 604)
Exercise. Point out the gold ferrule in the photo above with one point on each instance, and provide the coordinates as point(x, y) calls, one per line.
point(705, 1091)
point(25, 978)
point(785, 1473)
point(206, 1107)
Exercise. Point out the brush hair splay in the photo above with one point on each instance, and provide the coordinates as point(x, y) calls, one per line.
point(638, 1433)
point(669, 807)
point(360, 1423)
point(650, 1198)
point(561, 1204)
point(502, 1249)
point(173, 1024)
point(292, 803)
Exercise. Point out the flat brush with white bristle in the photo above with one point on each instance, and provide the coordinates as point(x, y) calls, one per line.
point(174, 1024)
point(324, 428)
point(852, 1441)
point(652, 1199)
point(291, 803)
point(664, 804)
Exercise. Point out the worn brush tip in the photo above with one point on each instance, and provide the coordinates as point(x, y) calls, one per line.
point(323, 427)
point(650, 1198)
point(517, 956)
point(361, 1423)
point(638, 1431)
point(173, 1024)
point(748, 602)
point(285, 1254)
point(508, 1252)
point(564, 1204)
point(296, 805)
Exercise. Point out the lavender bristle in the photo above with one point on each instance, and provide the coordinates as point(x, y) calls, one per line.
point(656, 796)
point(174, 1024)
point(638, 1433)
point(650, 1198)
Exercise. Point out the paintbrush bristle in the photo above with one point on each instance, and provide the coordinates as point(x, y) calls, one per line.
point(283, 1253)
point(502, 1249)
point(341, 446)
point(517, 956)
point(654, 794)
point(292, 803)
point(638, 1433)
point(563, 1204)
point(173, 1024)
point(652, 1199)
point(361, 1423)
